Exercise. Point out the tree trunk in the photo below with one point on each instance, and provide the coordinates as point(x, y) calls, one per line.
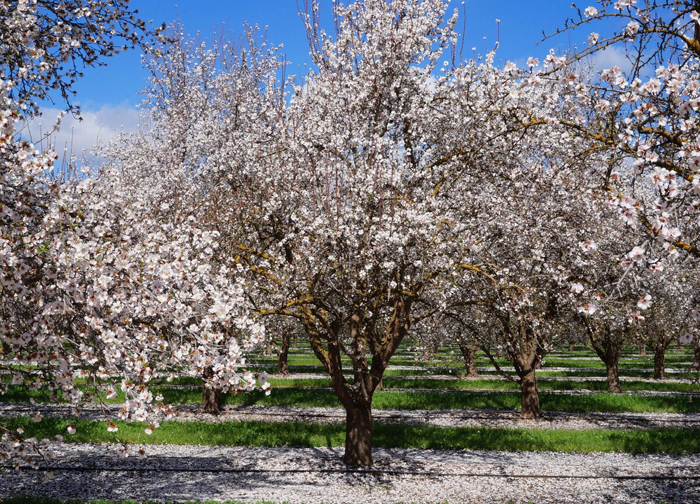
point(282, 367)
point(608, 347)
point(659, 363)
point(642, 349)
point(211, 397)
point(572, 346)
point(613, 376)
point(529, 396)
point(469, 353)
point(696, 360)
point(358, 436)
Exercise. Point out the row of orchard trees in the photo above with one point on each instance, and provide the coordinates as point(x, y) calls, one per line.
point(392, 191)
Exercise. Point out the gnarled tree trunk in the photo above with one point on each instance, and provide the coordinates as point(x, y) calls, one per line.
point(211, 397)
point(358, 435)
point(659, 364)
point(469, 355)
point(613, 376)
point(282, 367)
point(525, 350)
point(364, 337)
point(608, 347)
point(529, 396)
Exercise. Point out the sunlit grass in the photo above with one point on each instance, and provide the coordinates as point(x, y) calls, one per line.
point(601, 402)
point(267, 434)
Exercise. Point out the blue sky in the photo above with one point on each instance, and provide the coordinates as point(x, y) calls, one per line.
point(108, 95)
point(521, 26)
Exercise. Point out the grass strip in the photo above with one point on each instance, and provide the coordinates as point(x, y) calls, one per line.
point(599, 402)
point(307, 435)
point(432, 383)
point(408, 400)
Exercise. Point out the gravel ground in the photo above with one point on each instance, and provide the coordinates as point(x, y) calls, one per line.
point(441, 418)
point(317, 476)
point(459, 418)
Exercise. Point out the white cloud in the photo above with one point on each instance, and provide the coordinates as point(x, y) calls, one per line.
point(610, 57)
point(98, 126)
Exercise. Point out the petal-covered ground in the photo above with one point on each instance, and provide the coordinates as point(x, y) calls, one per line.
point(180, 473)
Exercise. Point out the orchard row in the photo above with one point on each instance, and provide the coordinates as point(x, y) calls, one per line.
point(392, 192)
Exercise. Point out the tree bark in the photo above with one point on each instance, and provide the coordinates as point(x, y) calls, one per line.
point(358, 436)
point(608, 346)
point(660, 363)
point(211, 397)
point(529, 396)
point(572, 346)
point(696, 359)
point(469, 354)
point(282, 367)
point(613, 376)
point(642, 349)
point(356, 397)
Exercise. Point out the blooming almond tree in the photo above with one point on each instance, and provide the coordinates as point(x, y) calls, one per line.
point(647, 114)
point(45, 44)
point(209, 111)
point(350, 237)
point(95, 286)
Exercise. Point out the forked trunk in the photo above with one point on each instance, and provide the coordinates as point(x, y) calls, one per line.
point(608, 346)
point(358, 436)
point(469, 354)
point(659, 363)
point(613, 377)
point(282, 367)
point(529, 396)
point(211, 397)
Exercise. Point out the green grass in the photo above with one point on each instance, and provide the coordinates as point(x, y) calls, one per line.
point(266, 434)
point(408, 400)
point(433, 383)
point(430, 400)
